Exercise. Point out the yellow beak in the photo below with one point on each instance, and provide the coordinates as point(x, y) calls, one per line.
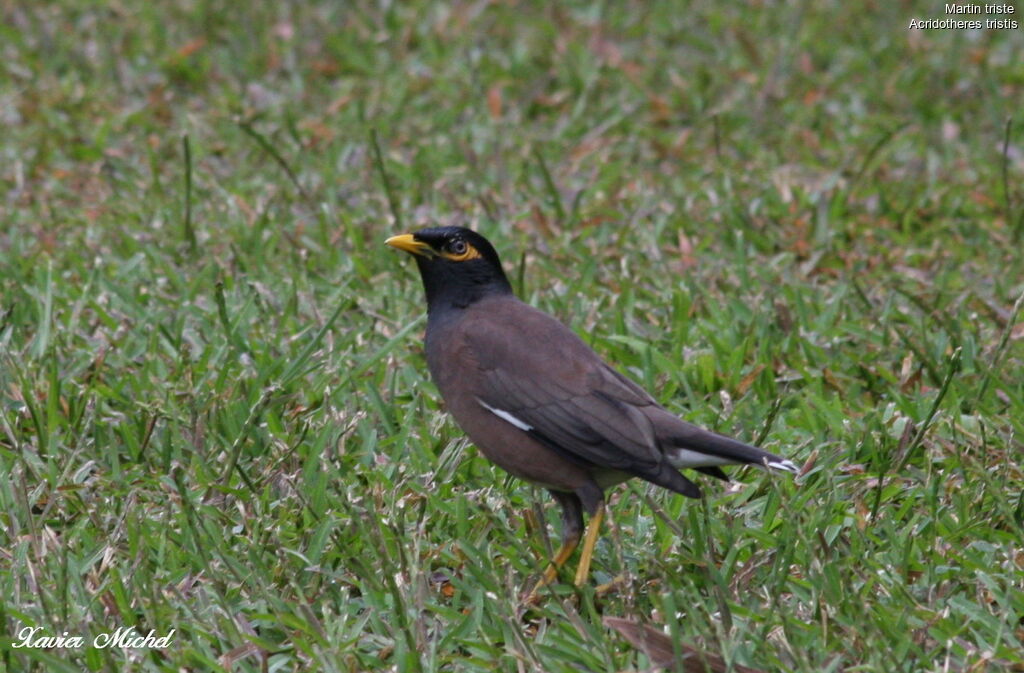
point(408, 243)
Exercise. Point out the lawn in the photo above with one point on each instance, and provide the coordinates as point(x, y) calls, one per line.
point(799, 223)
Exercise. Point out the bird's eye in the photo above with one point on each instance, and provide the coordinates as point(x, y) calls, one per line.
point(458, 247)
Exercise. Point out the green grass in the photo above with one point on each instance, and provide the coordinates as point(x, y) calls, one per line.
point(791, 220)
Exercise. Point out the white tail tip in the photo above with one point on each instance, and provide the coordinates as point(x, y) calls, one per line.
point(785, 465)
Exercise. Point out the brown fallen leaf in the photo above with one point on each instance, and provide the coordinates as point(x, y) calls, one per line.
point(809, 463)
point(189, 48)
point(660, 650)
point(494, 101)
point(748, 380)
point(689, 260)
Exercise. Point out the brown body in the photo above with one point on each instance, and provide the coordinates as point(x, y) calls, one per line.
point(471, 347)
point(539, 403)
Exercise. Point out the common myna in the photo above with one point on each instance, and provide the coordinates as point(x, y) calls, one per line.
point(541, 404)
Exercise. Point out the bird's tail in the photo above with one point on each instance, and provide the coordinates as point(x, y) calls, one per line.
point(698, 445)
point(688, 446)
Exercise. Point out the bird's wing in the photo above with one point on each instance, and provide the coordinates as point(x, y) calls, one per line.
point(535, 373)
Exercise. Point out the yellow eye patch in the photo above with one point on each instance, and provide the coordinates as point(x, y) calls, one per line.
point(469, 253)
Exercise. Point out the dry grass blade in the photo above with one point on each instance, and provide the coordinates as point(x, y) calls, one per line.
point(229, 659)
point(666, 654)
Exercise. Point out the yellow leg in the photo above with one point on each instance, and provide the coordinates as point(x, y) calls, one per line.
point(583, 569)
point(551, 573)
point(561, 557)
point(618, 582)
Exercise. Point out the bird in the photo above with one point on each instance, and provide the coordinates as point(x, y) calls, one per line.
point(539, 403)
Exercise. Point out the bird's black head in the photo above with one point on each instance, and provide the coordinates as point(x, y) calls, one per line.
point(458, 266)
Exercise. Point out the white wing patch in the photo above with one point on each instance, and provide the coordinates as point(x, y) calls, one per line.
point(505, 416)
point(684, 458)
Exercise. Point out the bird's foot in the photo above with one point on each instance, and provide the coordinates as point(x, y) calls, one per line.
point(612, 586)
